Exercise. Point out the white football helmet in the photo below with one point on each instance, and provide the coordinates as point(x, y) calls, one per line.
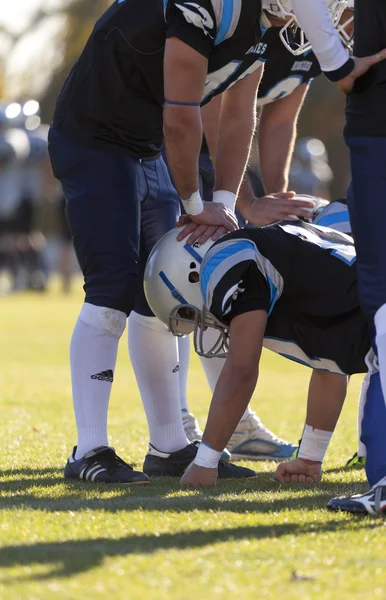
point(173, 291)
point(282, 9)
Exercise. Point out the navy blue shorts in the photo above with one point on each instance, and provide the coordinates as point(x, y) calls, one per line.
point(117, 208)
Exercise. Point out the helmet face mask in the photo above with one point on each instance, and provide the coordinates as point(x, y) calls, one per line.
point(185, 319)
point(282, 9)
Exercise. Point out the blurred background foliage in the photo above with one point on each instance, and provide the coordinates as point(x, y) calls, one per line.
point(41, 74)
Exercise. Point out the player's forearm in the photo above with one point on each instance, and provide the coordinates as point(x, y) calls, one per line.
point(233, 150)
point(314, 19)
point(326, 395)
point(233, 392)
point(210, 114)
point(183, 139)
point(276, 144)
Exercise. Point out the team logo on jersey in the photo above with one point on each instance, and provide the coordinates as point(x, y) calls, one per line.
point(231, 295)
point(302, 65)
point(201, 18)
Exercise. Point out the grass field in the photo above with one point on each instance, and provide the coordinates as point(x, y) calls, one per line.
point(250, 539)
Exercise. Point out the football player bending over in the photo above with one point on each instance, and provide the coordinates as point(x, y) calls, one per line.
point(290, 287)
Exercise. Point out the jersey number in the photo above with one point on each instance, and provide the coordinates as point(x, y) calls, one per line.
point(218, 78)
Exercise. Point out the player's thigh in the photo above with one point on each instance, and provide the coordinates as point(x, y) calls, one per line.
point(367, 206)
point(160, 212)
point(103, 214)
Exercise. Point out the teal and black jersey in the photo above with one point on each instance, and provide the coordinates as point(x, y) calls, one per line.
point(304, 277)
point(114, 95)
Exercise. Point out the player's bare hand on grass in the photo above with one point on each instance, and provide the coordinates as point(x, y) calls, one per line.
point(213, 222)
point(362, 65)
point(276, 207)
point(300, 471)
point(196, 476)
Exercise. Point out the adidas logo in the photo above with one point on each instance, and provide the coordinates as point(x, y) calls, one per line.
point(104, 376)
point(176, 369)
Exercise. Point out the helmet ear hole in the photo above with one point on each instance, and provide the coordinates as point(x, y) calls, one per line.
point(193, 265)
point(194, 277)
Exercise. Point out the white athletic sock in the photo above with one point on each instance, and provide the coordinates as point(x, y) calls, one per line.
point(93, 354)
point(154, 356)
point(380, 327)
point(184, 356)
point(214, 366)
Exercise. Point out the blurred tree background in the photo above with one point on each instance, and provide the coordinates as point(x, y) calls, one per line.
point(26, 70)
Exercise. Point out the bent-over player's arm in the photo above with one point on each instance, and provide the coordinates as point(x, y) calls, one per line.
point(232, 394)
point(277, 135)
point(326, 395)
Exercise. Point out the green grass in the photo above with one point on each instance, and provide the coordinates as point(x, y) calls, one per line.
point(253, 539)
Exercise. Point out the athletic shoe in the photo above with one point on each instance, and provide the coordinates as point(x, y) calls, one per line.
point(372, 502)
point(356, 461)
point(191, 426)
point(194, 433)
point(252, 441)
point(174, 464)
point(102, 465)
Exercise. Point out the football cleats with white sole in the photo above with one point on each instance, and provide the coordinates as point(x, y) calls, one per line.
point(102, 465)
point(253, 441)
point(372, 502)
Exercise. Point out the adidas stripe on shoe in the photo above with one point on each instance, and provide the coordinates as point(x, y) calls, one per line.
point(102, 465)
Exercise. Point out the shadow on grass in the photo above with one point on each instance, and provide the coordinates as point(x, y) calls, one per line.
point(70, 558)
point(228, 496)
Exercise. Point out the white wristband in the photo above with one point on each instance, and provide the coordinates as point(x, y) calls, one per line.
point(207, 457)
point(194, 204)
point(228, 199)
point(314, 443)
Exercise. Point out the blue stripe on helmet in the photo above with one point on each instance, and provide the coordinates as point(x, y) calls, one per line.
point(175, 293)
point(193, 253)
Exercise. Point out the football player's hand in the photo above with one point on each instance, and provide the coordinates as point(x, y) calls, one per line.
point(277, 207)
point(214, 221)
point(362, 65)
point(300, 471)
point(196, 476)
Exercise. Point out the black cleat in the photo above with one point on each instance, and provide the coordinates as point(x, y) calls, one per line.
point(102, 465)
point(174, 464)
point(372, 502)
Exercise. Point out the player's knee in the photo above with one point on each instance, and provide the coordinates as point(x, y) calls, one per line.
point(109, 320)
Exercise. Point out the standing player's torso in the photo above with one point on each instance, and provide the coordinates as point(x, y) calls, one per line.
point(114, 93)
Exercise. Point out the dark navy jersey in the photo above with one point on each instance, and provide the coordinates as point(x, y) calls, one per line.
point(304, 277)
point(283, 72)
point(366, 112)
point(114, 93)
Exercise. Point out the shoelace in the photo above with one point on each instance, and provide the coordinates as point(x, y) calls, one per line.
point(111, 461)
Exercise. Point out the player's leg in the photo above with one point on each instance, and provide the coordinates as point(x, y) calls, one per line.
point(103, 216)
point(154, 351)
point(373, 427)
